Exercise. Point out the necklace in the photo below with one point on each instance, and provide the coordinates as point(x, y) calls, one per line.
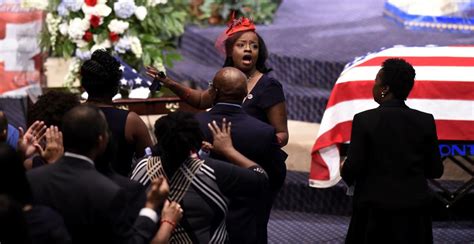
point(251, 76)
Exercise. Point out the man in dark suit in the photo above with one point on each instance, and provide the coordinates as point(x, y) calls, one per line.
point(254, 139)
point(393, 150)
point(93, 207)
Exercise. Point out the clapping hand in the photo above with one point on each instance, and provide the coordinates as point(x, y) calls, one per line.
point(27, 140)
point(54, 148)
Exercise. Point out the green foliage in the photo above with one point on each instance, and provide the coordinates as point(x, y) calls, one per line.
point(261, 11)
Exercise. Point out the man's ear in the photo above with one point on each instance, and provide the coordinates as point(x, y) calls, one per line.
point(3, 135)
point(102, 141)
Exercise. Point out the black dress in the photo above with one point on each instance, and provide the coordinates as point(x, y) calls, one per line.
point(266, 93)
point(117, 119)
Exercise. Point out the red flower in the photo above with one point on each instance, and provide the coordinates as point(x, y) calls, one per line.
point(87, 36)
point(95, 21)
point(113, 36)
point(91, 3)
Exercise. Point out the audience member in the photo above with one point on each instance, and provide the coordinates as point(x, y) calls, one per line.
point(3, 127)
point(393, 150)
point(203, 187)
point(100, 77)
point(255, 140)
point(43, 225)
point(135, 192)
point(8, 133)
point(51, 107)
point(13, 226)
point(93, 207)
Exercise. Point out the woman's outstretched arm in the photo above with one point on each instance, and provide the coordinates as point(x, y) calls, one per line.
point(196, 98)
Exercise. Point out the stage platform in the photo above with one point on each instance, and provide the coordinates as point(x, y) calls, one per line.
point(310, 42)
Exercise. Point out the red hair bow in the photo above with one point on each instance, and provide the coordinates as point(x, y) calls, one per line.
point(233, 26)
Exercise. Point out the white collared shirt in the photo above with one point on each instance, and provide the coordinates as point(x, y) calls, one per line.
point(79, 156)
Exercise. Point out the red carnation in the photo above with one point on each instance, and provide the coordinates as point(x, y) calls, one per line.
point(113, 36)
point(95, 21)
point(91, 3)
point(87, 36)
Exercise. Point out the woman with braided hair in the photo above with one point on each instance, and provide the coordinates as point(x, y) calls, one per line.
point(100, 77)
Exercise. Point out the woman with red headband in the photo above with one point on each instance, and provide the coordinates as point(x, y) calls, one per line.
point(246, 51)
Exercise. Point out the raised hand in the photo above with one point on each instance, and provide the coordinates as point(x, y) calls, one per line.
point(54, 148)
point(222, 141)
point(156, 74)
point(28, 139)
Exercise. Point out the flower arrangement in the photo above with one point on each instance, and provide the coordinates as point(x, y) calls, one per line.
point(140, 32)
point(216, 12)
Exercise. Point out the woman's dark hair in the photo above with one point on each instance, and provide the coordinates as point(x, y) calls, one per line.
point(13, 181)
point(177, 134)
point(262, 52)
point(51, 107)
point(100, 76)
point(399, 75)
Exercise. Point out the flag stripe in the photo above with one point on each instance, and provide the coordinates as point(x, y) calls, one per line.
point(458, 90)
point(424, 61)
point(441, 110)
point(432, 73)
point(453, 51)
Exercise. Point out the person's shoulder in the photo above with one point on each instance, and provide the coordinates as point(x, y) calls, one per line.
point(269, 80)
point(213, 164)
point(256, 123)
point(202, 116)
point(42, 171)
point(421, 114)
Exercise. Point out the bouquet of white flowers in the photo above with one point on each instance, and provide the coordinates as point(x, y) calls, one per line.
point(141, 32)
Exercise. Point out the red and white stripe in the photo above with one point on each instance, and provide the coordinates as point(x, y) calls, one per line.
point(444, 87)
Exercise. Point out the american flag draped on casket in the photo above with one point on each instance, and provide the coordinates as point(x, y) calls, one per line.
point(444, 87)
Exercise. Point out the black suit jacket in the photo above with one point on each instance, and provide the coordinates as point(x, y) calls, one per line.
point(253, 138)
point(393, 150)
point(93, 207)
point(247, 218)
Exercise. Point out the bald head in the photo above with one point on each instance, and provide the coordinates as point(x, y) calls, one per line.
point(82, 126)
point(231, 85)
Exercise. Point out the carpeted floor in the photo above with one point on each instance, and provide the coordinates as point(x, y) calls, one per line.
point(305, 228)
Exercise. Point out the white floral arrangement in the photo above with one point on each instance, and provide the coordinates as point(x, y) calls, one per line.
point(141, 32)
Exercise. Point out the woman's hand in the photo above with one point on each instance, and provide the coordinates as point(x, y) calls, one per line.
point(155, 74)
point(27, 140)
point(222, 142)
point(158, 193)
point(172, 211)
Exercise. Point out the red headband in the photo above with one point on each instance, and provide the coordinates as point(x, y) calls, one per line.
point(233, 26)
